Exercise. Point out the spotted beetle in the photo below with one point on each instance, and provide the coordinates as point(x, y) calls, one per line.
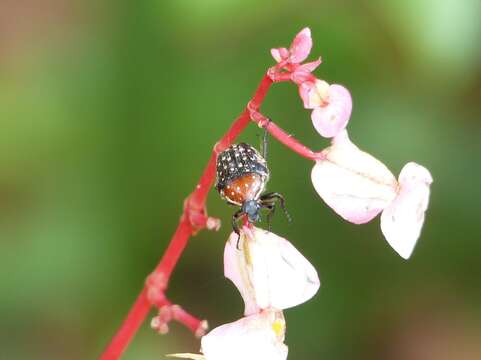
point(242, 175)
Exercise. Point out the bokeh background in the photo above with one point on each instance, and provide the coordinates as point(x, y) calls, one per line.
point(109, 111)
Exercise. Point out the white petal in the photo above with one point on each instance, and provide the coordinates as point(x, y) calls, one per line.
point(187, 356)
point(353, 183)
point(269, 271)
point(402, 221)
point(256, 337)
point(235, 269)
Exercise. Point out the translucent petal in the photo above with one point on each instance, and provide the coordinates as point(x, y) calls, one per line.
point(269, 271)
point(310, 66)
point(353, 183)
point(301, 46)
point(313, 94)
point(280, 54)
point(402, 221)
point(329, 120)
point(255, 337)
point(187, 356)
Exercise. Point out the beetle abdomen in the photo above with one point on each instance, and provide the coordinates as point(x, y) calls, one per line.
point(247, 187)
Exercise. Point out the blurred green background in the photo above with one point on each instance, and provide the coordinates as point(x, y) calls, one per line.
point(109, 111)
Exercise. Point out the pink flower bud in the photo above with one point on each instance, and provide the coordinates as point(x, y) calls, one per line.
point(401, 222)
point(268, 271)
point(301, 46)
point(332, 116)
point(298, 51)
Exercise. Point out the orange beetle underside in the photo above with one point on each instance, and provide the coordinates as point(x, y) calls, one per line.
point(247, 187)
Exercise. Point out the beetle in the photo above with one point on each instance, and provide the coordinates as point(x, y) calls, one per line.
point(242, 175)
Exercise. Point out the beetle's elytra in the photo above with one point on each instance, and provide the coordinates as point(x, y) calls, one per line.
point(242, 175)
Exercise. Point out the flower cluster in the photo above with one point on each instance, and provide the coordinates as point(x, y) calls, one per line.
point(353, 183)
point(270, 274)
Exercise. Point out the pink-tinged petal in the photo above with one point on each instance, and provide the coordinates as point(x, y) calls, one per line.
point(310, 66)
point(301, 46)
point(257, 337)
point(305, 88)
point(353, 183)
point(331, 119)
point(402, 221)
point(268, 271)
point(280, 54)
point(299, 77)
point(314, 94)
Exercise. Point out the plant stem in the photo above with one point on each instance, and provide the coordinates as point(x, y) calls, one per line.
point(194, 219)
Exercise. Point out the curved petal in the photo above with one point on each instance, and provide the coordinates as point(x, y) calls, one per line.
point(259, 336)
point(402, 221)
point(313, 94)
point(305, 89)
point(310, 66)
point(269, 271)
point(301, 46)
point(353, 183)
point(237, 271)
point(280, 54)
point(332, 118)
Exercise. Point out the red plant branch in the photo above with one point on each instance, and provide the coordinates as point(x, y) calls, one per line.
point(193, 219)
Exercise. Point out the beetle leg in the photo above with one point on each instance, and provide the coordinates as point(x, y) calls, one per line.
point(271, 198)
point(272, 209)
point(237, 215)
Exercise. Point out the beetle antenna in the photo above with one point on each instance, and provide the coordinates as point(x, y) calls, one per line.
point(264, 140)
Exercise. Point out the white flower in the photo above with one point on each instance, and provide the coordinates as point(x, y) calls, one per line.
point(268, 271)
point(358, 187)
point(255, 337)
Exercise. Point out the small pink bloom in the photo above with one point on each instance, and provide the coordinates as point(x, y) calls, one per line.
point(332, 118)
point(353, 183)
point(268, 271)
point(401, 222)
point(298, 51)
point(332, 106)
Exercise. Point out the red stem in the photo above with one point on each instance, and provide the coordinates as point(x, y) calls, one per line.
point(194, 218)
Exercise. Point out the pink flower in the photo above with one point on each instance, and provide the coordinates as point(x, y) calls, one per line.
point(268, 271)
point(257, 337)
point(331, 104)
point(358, 187)
point(299, 50)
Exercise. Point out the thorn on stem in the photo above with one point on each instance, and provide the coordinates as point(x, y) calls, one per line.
point(155, 284)
point(159, 326)
point(202, 329)
point(213, 224)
